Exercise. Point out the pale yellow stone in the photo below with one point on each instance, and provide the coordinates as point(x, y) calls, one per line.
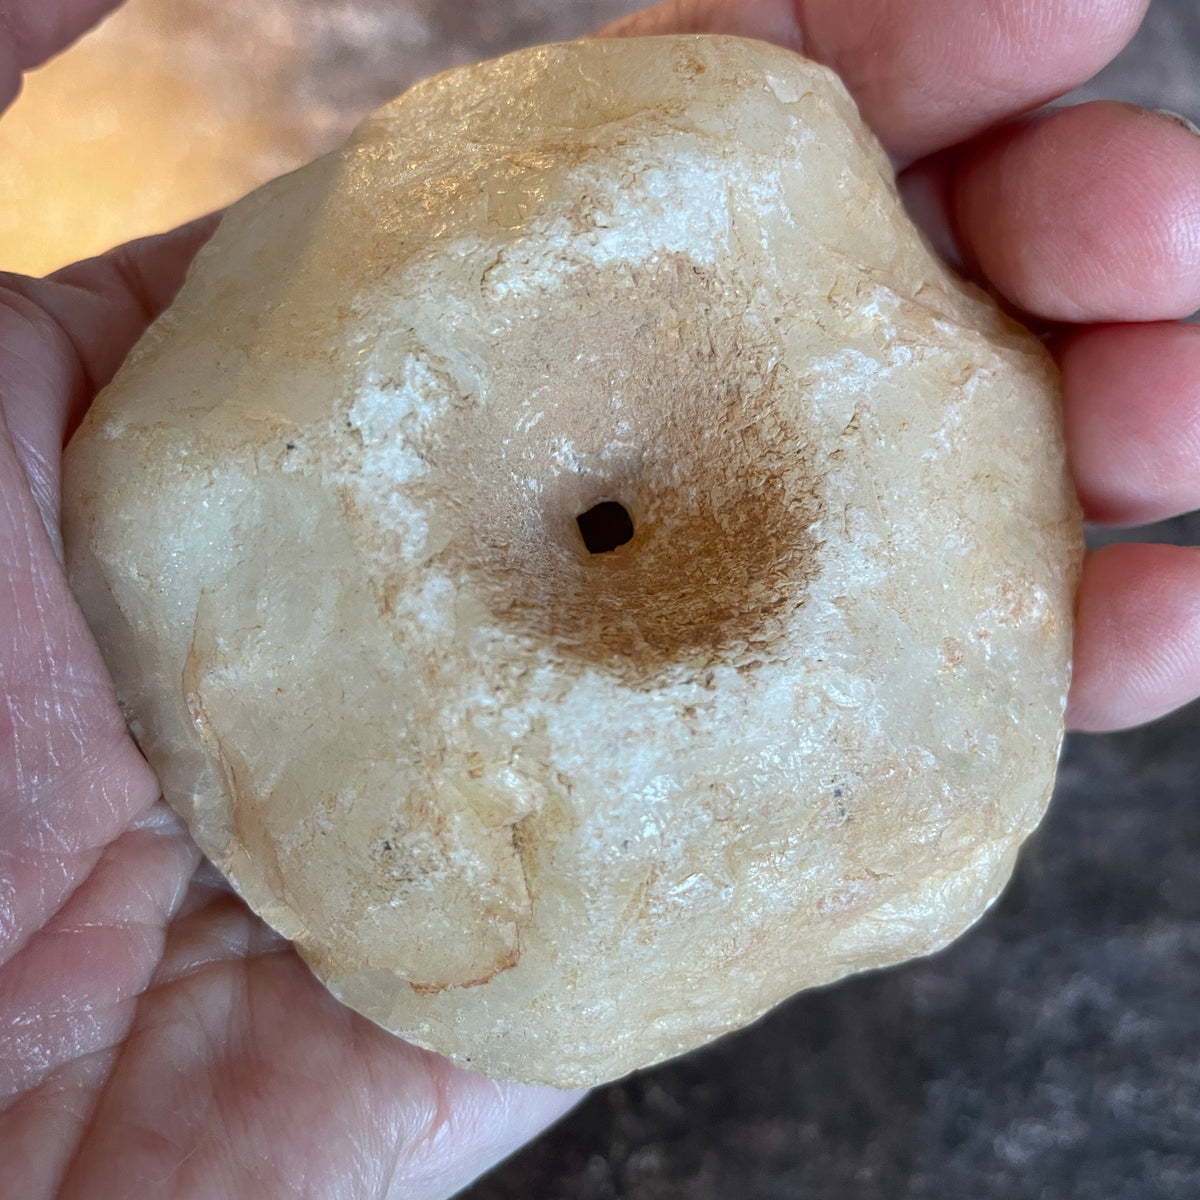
point(561, 815)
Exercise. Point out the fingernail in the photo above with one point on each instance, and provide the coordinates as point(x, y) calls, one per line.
point(1179, 119)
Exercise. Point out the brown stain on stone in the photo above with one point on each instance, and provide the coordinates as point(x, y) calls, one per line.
point(504, 962)
point(250, 823)
point(657, 385)
point(705, 450)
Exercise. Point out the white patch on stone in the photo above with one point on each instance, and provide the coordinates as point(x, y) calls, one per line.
point(635, 219)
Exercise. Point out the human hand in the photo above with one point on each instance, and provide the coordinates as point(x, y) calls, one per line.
point(157, 1039)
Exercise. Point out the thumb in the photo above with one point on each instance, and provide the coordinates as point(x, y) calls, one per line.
point(32, 31)
point(62, 338)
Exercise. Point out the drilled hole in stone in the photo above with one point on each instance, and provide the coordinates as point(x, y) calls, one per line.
point(605, 526)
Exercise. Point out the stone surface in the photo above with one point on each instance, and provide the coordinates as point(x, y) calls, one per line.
point(1052, 1052)
point(985, 1097)
point(561, 815)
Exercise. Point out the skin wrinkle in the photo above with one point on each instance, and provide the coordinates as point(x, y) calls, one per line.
point(221, 1126)
point(25, 331)
point(1181, 239)
point(1143, 466)
point(1172, 239)
point(28, 606)
point(90, 1109)
point(426, 1147)
point(8, 910)
point(1140, 634)
point(388, 1152)
point(83, 928)
point(1174, 658)
point(37, 1077)
point(160, 820)
point(69, 866)
point(23, 697)
point(138, 938)
point(1017, 25)
point(48, 796)
point(1074, 260)
point(63, 1050)
point(12, 723)
point(1159, 488)
point(229, 937)
point(44, 486)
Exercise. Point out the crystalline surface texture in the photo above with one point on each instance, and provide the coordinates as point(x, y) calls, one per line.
point(561, 814)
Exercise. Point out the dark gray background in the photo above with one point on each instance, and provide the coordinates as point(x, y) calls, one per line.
point(1053, 1052)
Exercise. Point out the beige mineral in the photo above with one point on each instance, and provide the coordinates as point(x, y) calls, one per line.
point(554, 813)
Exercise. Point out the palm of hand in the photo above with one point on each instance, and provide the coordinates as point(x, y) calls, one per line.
point(143, 1002)
point(163, 1041)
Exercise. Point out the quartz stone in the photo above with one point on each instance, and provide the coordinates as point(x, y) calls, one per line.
point(553, 811)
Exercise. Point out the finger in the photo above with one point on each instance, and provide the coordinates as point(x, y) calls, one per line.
point(33, 30)
point(1131, 402)
point(777, 21)
point(70, 778)
point(105, 303)
point(927, 73)
point(1086, 214)
point(63, 337)
point(1137, 637)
